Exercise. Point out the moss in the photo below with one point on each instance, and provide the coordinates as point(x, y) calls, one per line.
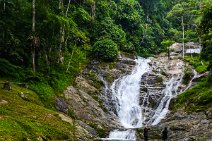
point(164, 73)
point(27, 118)
point(187, 77)
point(109, 78)
point(112, 65)
point(159, 79)
point(102, 132)
point(95, 78)
point(45, 93)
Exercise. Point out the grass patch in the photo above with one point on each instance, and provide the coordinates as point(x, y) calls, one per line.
point(198, 98)
point(26, 118)
point(45, 93)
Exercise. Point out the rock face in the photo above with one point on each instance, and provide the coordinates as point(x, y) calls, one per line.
point(188, 126)
point(153, 84)
point(189, 46)
point(182, 126)
point(85, 101)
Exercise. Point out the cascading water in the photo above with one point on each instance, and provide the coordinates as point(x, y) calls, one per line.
point(194, 77)
point(125, 91)
point(170, 91)
point(135, 110)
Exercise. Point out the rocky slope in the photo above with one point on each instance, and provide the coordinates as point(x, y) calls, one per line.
point(182, 125)
point(86, 100)
point(89, 101)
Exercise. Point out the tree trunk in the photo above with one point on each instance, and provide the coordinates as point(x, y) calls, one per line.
point(60, 4)
point(33, 33)
point(62, 31)
point(93, 10)
point(68, 8)
point(4, 5)
point(33, 16)
point(60, 59)
point(183, 28)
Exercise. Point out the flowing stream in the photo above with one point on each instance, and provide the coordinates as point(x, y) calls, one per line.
point(125, 91)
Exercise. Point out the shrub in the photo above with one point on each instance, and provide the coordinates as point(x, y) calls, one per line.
point(105, 49)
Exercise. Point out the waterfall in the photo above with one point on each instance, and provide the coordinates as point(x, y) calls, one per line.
point(126, 91)
point(134, 110)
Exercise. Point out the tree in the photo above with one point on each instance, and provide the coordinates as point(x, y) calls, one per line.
point(108, 29)
point(183, 14)
point(35, 38)
point(105, 49)
point(167, 44)
point(205, 30)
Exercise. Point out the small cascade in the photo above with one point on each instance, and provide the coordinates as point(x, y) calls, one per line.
point(170, 91)
point(106, 97)
point(195, 75)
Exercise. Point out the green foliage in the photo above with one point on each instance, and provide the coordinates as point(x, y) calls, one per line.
point(183, 15)
point(167, 43)
point(105, 49)
point(187, 76)
point(199, 65)
point(45, 93)
point(107, 29)
point(8, 69)
point(205, 29)
point(198, 98)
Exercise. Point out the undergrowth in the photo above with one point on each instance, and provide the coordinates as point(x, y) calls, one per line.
point(197, 98)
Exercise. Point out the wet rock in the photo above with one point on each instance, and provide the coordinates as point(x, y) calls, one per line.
point(209, 113)
point(128, 61)
point(82, 134)
point(85, 107)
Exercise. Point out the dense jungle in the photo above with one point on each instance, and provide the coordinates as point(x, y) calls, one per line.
point(62, 62)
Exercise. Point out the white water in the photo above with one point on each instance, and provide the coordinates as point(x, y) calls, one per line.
point(126, 94)
point(194, 77)
point(169, 92)
point(126, 91)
